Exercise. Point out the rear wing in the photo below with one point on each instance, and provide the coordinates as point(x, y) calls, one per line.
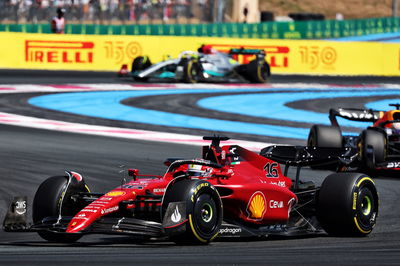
point(300, 156)
point(362, 115)
point(308, 156)
point(243, 51)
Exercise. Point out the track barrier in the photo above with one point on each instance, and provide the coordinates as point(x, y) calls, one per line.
point(102, 53)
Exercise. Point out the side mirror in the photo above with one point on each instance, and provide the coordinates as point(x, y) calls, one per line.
point(133, 173)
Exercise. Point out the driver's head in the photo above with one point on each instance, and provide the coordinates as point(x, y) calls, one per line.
point(396, 126)
point(195, 170)
point(60, 12)
point(205, 49)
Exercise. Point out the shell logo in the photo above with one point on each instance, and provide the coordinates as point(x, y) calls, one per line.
point(115, 193)
point(257, 206)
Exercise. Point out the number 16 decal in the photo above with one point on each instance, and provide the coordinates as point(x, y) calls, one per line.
point(271, 170)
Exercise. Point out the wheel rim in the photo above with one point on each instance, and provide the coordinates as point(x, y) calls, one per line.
point(366, 205)
point(194, 72)
point(205, 215)
point(206, 212)
point(367, 208)
point(264, 71)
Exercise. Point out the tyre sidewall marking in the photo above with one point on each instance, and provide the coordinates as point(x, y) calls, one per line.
point(199, 188)
point(355, 196)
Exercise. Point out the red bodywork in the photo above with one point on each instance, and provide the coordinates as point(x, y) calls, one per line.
point(387, 116)
point(252, 188)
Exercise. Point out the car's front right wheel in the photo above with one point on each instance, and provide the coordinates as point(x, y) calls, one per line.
point(203, 210)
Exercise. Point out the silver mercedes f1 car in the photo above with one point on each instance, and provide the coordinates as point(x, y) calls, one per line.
point(207, 64)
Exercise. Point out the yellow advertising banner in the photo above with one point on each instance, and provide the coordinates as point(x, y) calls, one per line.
point(109, 52)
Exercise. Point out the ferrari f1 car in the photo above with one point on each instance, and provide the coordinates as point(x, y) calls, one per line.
point(207, 64)
point(229, 192)
point(376, 148)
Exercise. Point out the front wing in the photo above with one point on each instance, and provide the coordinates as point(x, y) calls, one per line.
point(16, 221)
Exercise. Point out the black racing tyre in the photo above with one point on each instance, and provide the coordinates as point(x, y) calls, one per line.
point(376, 140)
point(347, 204)
point(325, 136)
point(203, 210)
point(140, 63)
point(257, 71)
point(191, 71)
point(47, 204)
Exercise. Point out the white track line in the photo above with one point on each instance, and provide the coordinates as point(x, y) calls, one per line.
point(33, 122)
point(26, 121)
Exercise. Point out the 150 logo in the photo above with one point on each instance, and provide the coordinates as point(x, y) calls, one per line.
point(315, 56)
point(122, 52)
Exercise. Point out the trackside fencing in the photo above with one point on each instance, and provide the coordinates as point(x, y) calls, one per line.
point(267, 30)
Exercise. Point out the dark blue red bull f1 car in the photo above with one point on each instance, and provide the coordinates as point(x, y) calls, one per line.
point(377, 148)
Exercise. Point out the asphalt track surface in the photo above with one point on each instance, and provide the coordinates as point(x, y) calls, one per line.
point(27, 156)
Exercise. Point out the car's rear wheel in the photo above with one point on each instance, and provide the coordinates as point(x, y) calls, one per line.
point(375, 140)
point(203, 210)
point(51, 198)
point(347, 204)
point(257, 71)
point(325, 136)
point(140, 63)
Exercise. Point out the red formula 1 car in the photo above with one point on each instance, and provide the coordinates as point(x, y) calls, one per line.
point(377, 148)
point(229, 192)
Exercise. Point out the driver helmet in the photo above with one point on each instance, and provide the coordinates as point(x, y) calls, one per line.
point(60, 11)
point(396, 125)
point(195, 170)
point(207, 49)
